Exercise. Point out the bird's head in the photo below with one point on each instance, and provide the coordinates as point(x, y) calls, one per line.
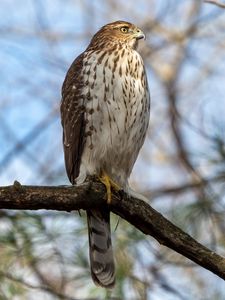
point(119, 32)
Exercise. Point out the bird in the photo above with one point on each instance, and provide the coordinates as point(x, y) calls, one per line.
point(105, 111)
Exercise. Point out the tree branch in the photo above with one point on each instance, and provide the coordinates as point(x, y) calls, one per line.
point(178, 189)
point(217, 3)
point(136, 211)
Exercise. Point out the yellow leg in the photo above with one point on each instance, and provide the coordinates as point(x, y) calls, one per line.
point(109, 183)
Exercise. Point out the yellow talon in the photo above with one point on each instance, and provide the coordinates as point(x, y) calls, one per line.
point(108, 182)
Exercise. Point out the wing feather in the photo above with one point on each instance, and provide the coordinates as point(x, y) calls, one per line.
point(72, 116)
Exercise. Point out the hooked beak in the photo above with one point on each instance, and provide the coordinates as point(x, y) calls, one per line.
point(139, 34)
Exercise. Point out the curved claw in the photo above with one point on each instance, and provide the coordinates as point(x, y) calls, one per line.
point(109, 183)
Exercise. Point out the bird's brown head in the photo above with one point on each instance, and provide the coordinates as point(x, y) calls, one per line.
point(119, 32)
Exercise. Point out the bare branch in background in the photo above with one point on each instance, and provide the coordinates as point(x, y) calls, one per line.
point(184, 187)
point(217, 3)
point(39, 287)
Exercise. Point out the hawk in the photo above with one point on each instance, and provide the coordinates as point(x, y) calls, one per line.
point(105, 114)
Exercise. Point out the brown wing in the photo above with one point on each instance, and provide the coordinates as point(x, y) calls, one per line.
point(72, 115)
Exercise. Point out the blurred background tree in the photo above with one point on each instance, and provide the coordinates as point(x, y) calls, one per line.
point(181, 168)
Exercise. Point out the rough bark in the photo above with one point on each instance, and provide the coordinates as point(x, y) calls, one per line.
point(134, 210)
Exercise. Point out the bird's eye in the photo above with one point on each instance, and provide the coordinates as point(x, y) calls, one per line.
point(124, 29)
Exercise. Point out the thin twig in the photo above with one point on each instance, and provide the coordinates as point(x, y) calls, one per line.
point(217, 3)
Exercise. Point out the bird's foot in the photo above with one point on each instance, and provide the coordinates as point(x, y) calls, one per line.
point(109, 183)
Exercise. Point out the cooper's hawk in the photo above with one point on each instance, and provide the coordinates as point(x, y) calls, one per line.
point(105, 114)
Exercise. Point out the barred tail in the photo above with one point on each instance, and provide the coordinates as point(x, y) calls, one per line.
point(100, 248)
